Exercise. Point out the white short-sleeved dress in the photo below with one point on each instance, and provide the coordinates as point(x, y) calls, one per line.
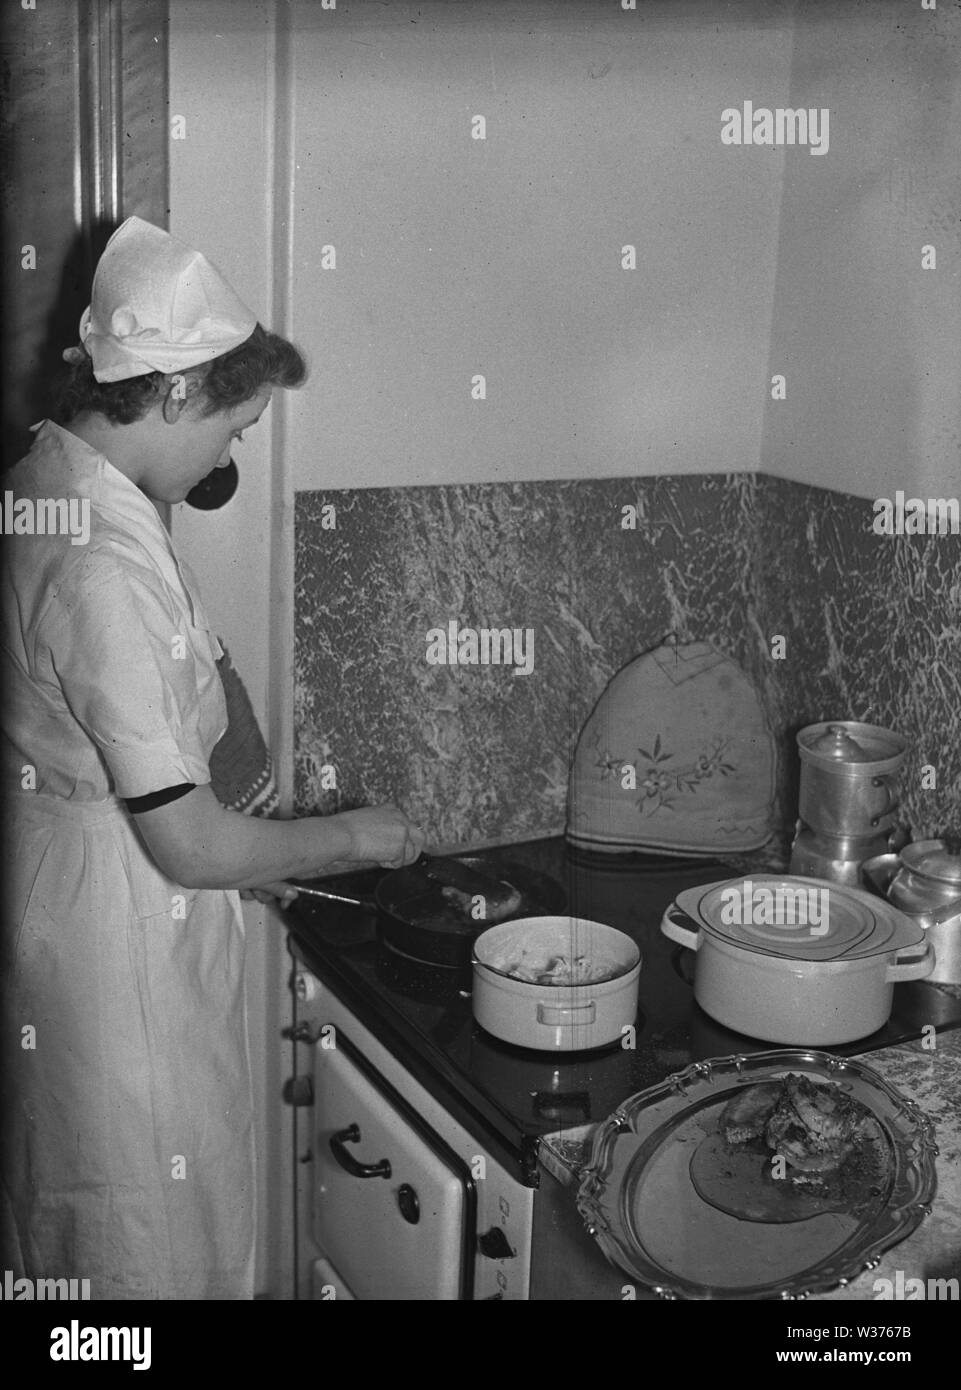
point(127, 1151)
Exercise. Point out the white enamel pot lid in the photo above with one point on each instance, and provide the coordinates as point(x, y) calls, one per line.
point(816, 919)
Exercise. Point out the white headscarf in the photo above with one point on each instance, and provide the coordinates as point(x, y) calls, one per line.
point(158, 306)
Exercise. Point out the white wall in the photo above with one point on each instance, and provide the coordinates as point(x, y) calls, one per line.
point(870, 342)
point(458, 256)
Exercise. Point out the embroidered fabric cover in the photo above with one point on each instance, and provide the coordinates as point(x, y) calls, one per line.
point(676, 757)
point(241, 769)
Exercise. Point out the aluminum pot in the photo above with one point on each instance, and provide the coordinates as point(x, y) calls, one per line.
point(849, 777)
point(803, 1003)
point(835, 857)
point(924, 882)
point(555, 1017)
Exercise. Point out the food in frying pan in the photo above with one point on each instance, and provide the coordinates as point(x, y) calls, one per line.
point(497, 906)
point(790, 1149)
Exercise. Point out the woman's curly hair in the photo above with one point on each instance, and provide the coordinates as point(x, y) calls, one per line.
point(262, 359)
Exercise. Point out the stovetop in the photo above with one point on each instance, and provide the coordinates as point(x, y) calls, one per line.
point(422, 1013)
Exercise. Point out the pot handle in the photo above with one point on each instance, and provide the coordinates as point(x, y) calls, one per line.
point(893, 803)
point(879, 871)
point(914, 967)
point(676, 926)
point(566, 1013)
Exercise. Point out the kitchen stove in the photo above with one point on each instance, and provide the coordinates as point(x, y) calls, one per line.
point(506, 1096)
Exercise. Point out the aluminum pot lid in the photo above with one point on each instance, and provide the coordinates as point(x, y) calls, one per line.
point(799, 918)
point(836, 743)
point(937, 859)
point(842, 743)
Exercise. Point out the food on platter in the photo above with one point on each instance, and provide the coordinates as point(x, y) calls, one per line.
point(815, 1126)
point(789, 1149)
point(746, 1116)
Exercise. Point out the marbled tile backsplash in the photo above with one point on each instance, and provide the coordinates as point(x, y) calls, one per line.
point(480, 753)
point(875, 625)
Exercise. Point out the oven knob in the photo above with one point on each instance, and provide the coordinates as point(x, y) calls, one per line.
point(408, 1202)
point(300, 1032)
point(298, 1090)
point(494, 1244)
point(305, 987)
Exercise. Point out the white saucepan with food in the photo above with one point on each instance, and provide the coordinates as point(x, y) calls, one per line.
point(559, 984)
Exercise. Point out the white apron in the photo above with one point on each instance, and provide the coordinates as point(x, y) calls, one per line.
point(127, 1154)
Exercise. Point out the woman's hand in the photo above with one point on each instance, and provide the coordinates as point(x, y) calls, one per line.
point(381, 835)
point(282, 893)
point(199, 844)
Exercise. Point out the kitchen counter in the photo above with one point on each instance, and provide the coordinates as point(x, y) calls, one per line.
point(930, 1077)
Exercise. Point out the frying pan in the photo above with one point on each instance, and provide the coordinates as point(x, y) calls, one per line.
point(416, 919)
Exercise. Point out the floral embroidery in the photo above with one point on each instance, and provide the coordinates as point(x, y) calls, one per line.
point(661, 786)
point(609, 765)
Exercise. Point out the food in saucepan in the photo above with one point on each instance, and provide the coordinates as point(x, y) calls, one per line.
point(790, 1149)
point(540, 967)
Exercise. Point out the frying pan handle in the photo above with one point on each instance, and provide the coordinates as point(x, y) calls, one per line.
point(912, 966)
point(327, 896)
point(676, 926)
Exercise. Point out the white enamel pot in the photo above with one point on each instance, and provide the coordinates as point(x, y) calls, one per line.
point(803, 1003)
point(555, 1017)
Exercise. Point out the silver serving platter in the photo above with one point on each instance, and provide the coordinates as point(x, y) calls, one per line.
point(638, 1201)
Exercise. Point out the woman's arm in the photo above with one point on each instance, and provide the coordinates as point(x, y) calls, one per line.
point(199, 844)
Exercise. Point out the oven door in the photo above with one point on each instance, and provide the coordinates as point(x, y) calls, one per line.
point(394, 1209)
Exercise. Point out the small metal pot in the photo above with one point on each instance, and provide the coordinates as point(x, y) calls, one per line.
point(552, 1017)
point(924, 882)
point(849, 777)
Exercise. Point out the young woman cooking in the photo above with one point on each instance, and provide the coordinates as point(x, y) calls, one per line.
point(127, 1151)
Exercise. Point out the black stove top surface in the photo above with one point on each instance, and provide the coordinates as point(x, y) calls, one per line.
point(422, 1013)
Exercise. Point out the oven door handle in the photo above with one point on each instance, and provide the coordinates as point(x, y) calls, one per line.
point(351, 1135)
